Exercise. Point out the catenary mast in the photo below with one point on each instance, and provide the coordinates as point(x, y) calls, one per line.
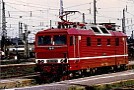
point(4, 31)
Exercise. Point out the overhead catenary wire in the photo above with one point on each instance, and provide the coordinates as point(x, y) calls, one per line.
point(44, 9)
point(20, 1)
point(25, 12)
point(130, 14)
point(78, 5)
point(32, 6)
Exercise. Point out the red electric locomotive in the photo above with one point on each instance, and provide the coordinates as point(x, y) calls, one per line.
point(77, 49)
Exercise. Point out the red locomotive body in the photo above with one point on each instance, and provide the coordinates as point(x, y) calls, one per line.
point(79, 49)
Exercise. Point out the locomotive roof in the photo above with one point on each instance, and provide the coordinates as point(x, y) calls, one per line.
point(75, 31)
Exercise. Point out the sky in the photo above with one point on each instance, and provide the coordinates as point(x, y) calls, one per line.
point(38, 13)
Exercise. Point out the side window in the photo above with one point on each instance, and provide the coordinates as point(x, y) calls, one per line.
point(71, 40)
point(116, 41)
point(99, 42)
point(88, 41)
point(108, 42)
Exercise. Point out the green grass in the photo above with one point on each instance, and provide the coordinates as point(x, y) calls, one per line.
point(111, 86)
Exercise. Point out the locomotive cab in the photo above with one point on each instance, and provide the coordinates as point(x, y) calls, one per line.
point(51, 49)
point(54, 48)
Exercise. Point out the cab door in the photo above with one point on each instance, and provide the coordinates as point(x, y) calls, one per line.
point(74, 52)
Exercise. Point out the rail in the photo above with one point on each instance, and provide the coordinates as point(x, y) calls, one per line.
point(17, 70)
point(26, 69)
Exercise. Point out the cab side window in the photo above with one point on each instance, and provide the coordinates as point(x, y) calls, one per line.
point(71, 40)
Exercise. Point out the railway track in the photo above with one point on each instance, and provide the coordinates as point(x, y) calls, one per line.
point(113, 81)
point(26, 70)
point(17, 70)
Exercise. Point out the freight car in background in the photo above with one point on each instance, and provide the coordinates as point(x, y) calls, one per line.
point(77, 49)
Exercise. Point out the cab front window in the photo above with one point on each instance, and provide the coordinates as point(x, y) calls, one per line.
point(60, 39)
point(44, 40)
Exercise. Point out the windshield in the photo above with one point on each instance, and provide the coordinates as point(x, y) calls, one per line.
point(60, 39)
point(52, 40)
point(44, 40)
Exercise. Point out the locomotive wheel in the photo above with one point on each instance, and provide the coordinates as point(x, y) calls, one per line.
point(123, 67)
point(48, 79)
point(93, 71)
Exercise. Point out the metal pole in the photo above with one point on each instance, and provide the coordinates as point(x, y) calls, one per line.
point(132, 34)
point(50, 23)
point(17, 54)
point(123, 22)
point(4, 31)
point(61, 8)
point(94, 11)
point(26, 41)
point(20, 30)
point(83, 16)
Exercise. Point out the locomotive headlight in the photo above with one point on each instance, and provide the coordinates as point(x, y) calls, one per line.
point(42, 61)
point(71, 74)
point(51, 48)
point(38, 61)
